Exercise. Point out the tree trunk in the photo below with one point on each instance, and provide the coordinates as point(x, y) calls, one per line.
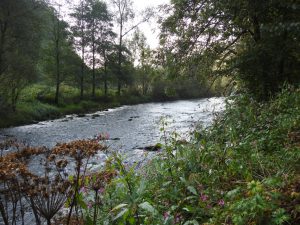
point(105, 78)
point(120, 59)
point(82, 52)
point(82, 72)
point(57, 71)
point(2, 42)
point(94, 77)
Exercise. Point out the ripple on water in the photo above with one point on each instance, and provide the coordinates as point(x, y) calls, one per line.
point(128, 124)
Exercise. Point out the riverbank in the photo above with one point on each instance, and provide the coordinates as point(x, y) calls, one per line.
point(33, 110)
point(242, 170)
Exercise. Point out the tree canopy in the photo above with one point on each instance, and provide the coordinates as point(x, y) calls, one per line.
point(255, 42)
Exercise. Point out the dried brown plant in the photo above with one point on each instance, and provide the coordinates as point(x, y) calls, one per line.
point(81, 151)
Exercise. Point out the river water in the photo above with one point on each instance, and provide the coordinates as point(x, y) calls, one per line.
point(130, 128)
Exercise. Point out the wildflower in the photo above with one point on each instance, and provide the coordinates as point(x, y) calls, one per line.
point(203, 197)
point(83, 190)
point(221, 203)
point(166, 215)
point(209, 206)
point(101, 190)
point(178, 218)
point(90, 205)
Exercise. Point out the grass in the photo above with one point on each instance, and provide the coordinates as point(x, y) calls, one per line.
point(37, 103)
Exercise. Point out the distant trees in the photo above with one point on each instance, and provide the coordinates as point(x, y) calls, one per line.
point(99, 25)
point(124, 14)
point(143, 56)
point(56, 50)
point(37, 45)
point(105, 48)
point(80, 34)
point(251, 41)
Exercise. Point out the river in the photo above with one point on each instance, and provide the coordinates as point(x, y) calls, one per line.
point(130, 128)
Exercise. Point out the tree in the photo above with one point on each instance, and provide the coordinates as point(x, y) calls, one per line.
point(99, 28)
point(80, 34)
point(143, 57)
point(59, 45)
point(57, 52)
point(125, 14)
point(106, 47)
point(237, 38)
point(20, 25)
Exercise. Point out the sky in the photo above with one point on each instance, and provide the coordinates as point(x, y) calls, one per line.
point(150, 29)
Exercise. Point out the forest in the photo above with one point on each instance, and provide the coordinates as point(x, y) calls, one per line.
point(242, 168)
point(92, 58)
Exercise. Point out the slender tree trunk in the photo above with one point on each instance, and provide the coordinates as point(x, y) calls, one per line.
point(120, 58)
point(57, 80)
point(94, 77)
point(105, 78)
point(14, 98)
point(2, 42)
point(81, 76)
point(82, 53)
point(57, 64)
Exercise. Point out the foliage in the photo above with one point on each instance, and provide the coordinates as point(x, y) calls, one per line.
point(253, 42)
point(242, 170)
point(20, 23)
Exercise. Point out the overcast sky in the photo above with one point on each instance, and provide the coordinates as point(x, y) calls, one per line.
point(149, 29)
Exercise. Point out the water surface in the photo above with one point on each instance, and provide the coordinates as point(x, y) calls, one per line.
point(130, 128)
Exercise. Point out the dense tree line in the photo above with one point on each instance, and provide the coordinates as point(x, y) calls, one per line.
point(250, 44)
point(19, 46)
point(37, 45)
point(254, 43)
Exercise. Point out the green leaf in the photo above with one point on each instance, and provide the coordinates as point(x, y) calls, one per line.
point(183, 180)
point(192, 190)
point(81, 202)
point(120, 214)
point(148, 207)
point(189, 208)
point(233, 193)
point(88, 220)
point(119, 207)
point(167, 183)
point(194, 222)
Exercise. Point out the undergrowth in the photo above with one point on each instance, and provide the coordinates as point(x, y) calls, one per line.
point(242, 170)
